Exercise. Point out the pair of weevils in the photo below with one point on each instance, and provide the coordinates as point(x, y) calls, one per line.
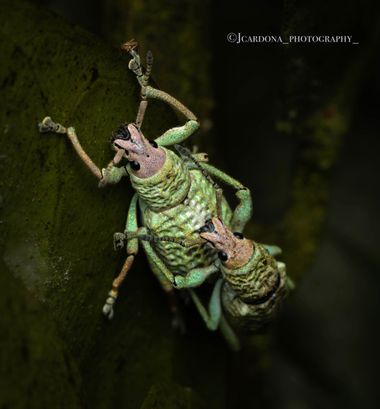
point(187, 229)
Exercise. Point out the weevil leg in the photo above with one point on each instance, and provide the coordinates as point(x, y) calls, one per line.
point(229, 334)
point(178, 134)
point(200, 156)
point(143, 78)
point(195, 277)
point(152, 255)
point(48, 125)
point(154, 93)
point(290, 284)
point(177, 318)
point(132, 250)
point(111, 174)
point(214, 317)
point(273, 250)
point(164, 283)
point(243, 212)
point(211, 317)
point(112, 295)
point(174, 135)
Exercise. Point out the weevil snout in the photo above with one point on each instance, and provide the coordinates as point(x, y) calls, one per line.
point(233, 249)
point(129, 138)
point(145, 157)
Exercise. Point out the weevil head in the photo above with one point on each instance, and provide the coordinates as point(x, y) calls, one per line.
point(234, 250)
point(144, 156)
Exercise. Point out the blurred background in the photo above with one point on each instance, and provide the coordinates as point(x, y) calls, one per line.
point(298, 124)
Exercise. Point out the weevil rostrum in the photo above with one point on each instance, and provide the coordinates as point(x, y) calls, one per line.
point(175, 196)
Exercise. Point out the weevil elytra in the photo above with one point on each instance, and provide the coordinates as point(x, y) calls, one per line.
point(252, 287)
point(175, 195)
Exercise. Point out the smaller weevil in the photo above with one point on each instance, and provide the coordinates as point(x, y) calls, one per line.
point(252, 287)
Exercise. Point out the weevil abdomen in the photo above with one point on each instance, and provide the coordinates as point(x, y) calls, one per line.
point(252, 295)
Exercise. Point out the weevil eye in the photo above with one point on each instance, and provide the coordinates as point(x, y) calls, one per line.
point(223, 256)
point(211, 227)
point(208, 227)
point(238, 235)
point(153, 143)
point(134, 165)
point(203, 229)
point(122, 133)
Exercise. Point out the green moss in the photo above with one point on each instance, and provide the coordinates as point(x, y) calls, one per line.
point(36, 370)
point(168, 396)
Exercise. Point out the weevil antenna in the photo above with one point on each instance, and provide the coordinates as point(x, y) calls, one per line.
point(186, 154)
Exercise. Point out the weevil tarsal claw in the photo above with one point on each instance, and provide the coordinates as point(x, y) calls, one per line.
point(118, 241)
point(48, 125)
point(108, 311)
point(108, 306)
point(130, 45)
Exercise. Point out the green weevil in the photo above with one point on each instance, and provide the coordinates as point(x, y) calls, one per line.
point(252, 287)
point(175, 196)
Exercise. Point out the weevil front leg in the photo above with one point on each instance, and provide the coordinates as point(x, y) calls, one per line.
point(195, 277)
point(172, 136)
point(48, 125)
point(211, 317)
point(109, 175)
point(154, 259)
point(178, 322)
point(178, 134)
point(243, 211)
point(214, 318)
point(132, 249)
point(143, 79)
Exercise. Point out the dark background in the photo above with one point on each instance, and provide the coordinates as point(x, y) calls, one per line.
point(298, 125)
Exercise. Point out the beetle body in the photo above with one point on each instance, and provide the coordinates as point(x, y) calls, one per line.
point(252, 287)
point(176, 202)
point(253, 293)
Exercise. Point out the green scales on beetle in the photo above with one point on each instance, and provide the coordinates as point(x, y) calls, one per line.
point(177, 198)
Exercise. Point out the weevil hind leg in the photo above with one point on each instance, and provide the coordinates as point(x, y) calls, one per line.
point(108, 310)
point(178, 321)
point(229, 334)
point(211, 317)
point(214, 317)
point(132, 250)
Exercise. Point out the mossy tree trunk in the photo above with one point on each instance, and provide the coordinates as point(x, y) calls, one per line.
point(56, 235)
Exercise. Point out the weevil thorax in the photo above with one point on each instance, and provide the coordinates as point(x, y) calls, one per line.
point(156, 173)
point(256, 279)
